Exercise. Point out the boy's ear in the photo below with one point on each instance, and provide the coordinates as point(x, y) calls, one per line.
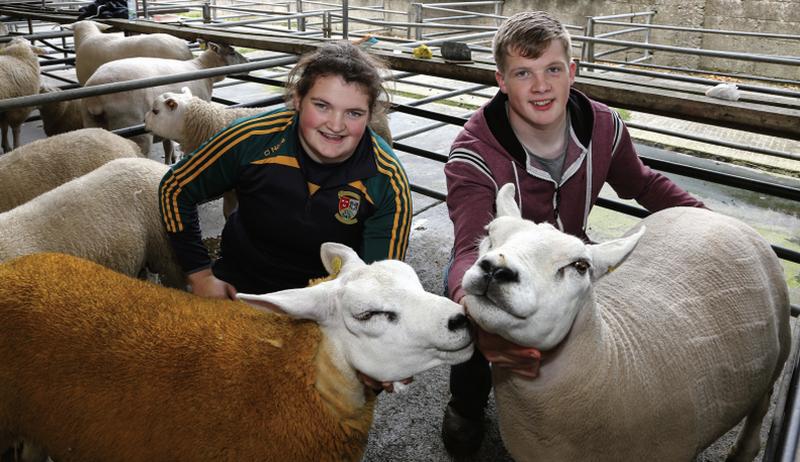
point(501, 82)
point(573, 68)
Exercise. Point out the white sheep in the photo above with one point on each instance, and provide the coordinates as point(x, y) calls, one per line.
point(60, 116)
point(93, 48)
point(19, 74)
point(44, 164)
point(96, 366)
point(118, 110)
point(110, 216)
point(654, 361)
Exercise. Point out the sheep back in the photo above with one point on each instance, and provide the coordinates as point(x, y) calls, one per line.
point(109, 216)
point(692, 330)
point(42, 165)
point(98, 366)
point(94, 48)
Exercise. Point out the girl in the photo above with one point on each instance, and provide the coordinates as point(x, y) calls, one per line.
point(304, 174)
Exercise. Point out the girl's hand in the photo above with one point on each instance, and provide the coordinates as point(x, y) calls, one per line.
point(378, 387)
point(205, 284)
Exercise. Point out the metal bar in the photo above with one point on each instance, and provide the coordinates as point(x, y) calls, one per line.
point(37, 100)
point(710, 53)
point(624, 15)
point(706, 31)
point(714, 141)
point(630, 30)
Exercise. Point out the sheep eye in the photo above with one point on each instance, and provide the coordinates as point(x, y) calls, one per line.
point(581, 266)
point(155, 111)
point(368, 315)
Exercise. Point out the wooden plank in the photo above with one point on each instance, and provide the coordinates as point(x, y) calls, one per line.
point(760, 118)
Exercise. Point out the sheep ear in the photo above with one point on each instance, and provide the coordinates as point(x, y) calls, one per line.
point(214, 47)
point(186, 91)
point(339, 257)
point(314, 303)
point(171, 104)
point(609, 255)
point(69, 26)
point(506, 205)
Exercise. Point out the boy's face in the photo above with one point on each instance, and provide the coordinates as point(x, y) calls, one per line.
point(537, 89)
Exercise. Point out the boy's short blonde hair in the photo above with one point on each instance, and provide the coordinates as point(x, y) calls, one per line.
point(528, 34)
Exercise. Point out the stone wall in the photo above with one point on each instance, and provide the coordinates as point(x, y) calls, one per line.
point(767, 16)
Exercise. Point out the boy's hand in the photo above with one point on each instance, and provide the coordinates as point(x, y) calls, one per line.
point(378, 387)
point(523, 361)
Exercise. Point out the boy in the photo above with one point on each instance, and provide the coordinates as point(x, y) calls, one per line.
point(558, 147)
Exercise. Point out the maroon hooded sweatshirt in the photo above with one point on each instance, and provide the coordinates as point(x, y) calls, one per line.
point(486, 155)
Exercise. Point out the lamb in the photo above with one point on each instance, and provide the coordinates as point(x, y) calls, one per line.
point(118, 110)
point(110, 216)
point(19, 72)
point(93, 48)
point(654, 361)
point(42, 165)
point(60, 116)
point(97, 366)
point(192, 121)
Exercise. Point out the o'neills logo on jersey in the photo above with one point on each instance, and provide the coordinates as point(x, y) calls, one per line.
point(348, 207)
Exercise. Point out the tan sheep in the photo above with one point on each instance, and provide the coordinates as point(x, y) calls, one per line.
point(124, 109)
point(42, 165)
point(110, 216)
point(60, 116)
point(654, 361)
point(19, 74)
point(96, 366)
point(93, 48)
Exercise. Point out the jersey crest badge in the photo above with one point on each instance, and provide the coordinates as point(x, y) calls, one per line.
point(348, 207)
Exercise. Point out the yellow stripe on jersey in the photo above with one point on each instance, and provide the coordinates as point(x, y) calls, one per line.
point(208, 154)
point(358, 184)
point(390, 167)
point(288, 161)
point(312, 188)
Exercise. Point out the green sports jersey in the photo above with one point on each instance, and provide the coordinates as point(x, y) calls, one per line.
point(288, 204)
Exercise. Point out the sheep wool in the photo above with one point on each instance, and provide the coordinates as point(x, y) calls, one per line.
point(93, 48)
point(173, 376)
point(42, 165)
point(19, 74)
point(60, 116)
point(654, 361)
point(109, 216)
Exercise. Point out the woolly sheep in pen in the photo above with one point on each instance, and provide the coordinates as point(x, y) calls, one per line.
point(191, 121)
point(60, 116)
point(109, 216)
point(654, 361)
point(118, 110)
point(42, 165)
point(97, 366)
point(93, 48)
point(19, 74)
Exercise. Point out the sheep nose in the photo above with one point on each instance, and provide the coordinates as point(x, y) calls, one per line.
point(457, 322)
point(492, 272)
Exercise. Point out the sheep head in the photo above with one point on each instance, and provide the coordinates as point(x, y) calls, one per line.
point(378, 316)
point(531, 280)
point(166, 117)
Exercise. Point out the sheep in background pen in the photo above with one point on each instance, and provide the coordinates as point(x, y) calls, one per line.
point(191, 121)
point(109, 216)
point(60, 116)
point(93, 48)
point(118, 110)
point(19, 74)
point(96, 366)
point(654, 361)
point(44, 164)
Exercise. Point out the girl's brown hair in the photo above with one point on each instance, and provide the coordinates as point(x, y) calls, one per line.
point(346, 60)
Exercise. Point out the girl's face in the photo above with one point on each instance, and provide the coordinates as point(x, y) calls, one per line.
point(333, 117)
